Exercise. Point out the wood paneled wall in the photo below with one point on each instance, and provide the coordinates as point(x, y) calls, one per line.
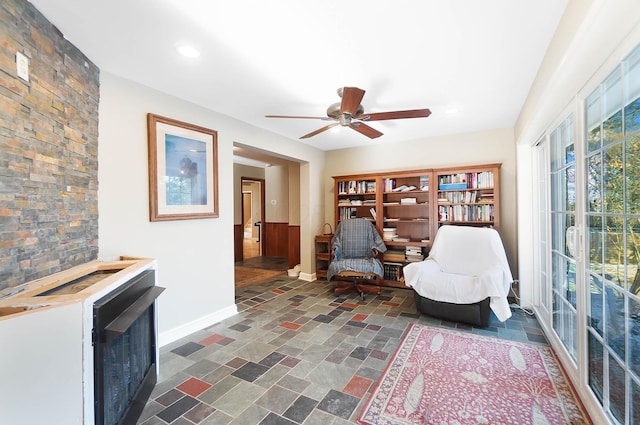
point(276, 238)
point(294, 246)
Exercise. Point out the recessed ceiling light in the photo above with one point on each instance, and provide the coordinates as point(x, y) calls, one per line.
point(188, 51)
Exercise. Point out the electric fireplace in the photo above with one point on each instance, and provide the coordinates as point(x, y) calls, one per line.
point(125, 350)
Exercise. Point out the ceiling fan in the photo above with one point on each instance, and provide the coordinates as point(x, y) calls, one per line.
point(350, 113)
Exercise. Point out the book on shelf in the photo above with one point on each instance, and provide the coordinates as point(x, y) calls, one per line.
point(424, 183)
point(413, 253)
point(373, 212)
point(414, 258)
point(401, 239)
point(400, 188)
point(394, 255)
point(388, 185)
point(393, 271)
point(406, 201)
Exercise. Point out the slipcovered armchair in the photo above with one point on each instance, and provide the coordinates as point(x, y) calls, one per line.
point(464, 277)
point(355, 248)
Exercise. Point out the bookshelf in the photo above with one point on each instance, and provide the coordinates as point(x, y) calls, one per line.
point(323, 255)
point(407, 207)
point(469, 196)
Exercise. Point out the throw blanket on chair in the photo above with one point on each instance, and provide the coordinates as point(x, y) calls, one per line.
point(352, 248)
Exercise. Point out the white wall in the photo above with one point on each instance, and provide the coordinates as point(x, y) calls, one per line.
point(195, 263)
point(277, 194)
point(494, 146)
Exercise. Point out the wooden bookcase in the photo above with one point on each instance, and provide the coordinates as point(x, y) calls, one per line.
point(406, 207)
point(469, 196)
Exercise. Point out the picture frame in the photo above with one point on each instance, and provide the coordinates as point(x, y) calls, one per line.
point(183, 170)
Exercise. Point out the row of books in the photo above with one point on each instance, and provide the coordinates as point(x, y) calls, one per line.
point(393, 271)
point(389, 185)
point(466, 212)
point(356, 186)
point(467, 197)
point(481, 180)
point(345, 202)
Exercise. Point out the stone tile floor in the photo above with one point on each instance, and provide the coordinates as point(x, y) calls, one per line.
point(295, 354)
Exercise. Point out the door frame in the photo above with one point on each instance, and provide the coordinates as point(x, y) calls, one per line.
point(262, 236)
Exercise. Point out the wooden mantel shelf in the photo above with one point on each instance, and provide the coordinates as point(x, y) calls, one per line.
point(69, 286)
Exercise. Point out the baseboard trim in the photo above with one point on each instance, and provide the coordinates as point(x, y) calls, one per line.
point(181, 331)
point(307, 277)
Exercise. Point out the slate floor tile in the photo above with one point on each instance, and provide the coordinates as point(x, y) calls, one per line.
point(339, 404)
point(177, 409)
point(273, 419)
point(250, 371)
point(187, 349)
point(300, 409)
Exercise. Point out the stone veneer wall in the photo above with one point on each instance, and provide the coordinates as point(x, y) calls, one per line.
point(48, 149)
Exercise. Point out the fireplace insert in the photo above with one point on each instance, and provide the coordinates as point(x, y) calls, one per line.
point(125, 350)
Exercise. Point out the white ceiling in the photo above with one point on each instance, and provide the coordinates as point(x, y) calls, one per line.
point(288, 57)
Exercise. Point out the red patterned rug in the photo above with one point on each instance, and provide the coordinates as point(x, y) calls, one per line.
point(441, 376)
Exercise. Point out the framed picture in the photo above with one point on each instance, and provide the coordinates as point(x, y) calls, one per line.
point(183, 170)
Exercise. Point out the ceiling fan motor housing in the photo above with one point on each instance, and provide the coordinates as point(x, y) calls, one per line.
point(333, 111)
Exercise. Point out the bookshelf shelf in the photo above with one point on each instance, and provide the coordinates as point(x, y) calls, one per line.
point(323, 255)
point(408, 204)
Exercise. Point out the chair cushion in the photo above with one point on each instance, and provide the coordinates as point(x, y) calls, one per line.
point(431, 282)
point(362, 265)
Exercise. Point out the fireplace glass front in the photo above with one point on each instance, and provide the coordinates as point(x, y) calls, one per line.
point(125, 351)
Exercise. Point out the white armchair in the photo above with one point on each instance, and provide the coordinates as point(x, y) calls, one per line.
point(466, 268)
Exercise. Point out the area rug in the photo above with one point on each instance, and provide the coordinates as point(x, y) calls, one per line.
point(249, 275)
point(441, 376)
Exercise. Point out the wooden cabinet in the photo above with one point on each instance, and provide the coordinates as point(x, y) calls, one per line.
point(407, 207)
point(323, 255)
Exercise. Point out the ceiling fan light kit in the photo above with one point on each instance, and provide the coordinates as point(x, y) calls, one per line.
point(350, 113)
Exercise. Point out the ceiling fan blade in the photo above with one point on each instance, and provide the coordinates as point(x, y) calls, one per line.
point(362, 128)
point(351, 98)
point(320, 130)
point(394, 115)
point(299, 116)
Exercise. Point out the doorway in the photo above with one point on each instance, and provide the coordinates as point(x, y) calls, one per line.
point(252, 217)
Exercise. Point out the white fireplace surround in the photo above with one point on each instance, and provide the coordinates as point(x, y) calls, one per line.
point(46, 361)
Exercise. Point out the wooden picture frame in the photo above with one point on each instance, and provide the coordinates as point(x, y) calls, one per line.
point(183, 170)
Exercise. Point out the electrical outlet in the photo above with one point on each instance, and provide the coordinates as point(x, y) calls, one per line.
point(22, 66)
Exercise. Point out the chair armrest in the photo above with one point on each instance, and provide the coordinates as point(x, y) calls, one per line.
point(413, 272)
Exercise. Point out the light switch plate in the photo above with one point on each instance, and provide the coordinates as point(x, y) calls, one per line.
point(22, 66)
